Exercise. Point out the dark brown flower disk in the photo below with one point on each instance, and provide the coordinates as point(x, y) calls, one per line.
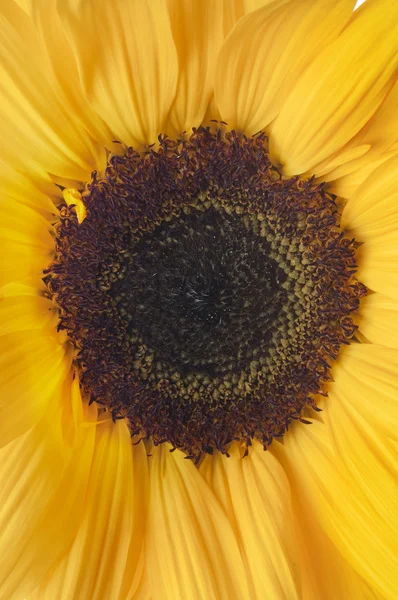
point(206, 295)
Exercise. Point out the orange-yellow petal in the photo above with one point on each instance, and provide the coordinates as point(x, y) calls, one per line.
point(378, 264)
point(373, 210)
point(267, 52)
point(33, 366)
point(234, 10)
point(95, 565)
point(30, 191)
point(381, 134)
point(199, 30)
point(371, 216)
point(59, 52)
point(367, 375)
point(26, 244)
point(191, 550)
point(323, 570)
point(255, 494)
point(42, 491)
point(135, 580)
point(348, 184)
point(353, 523)
point(25, 4)
point(198, 35)
point(346, 466)
point(340, 90)
point(37, 131)
point(127, 62)
point(378, 320)
point(21, 313)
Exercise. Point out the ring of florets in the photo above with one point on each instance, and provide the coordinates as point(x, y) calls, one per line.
point(206, 295)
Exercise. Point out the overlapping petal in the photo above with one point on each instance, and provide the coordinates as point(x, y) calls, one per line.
point(59, 52)
point(346, 466)
point(112, 519)
point(199, 29)
point(35, 191)
point(37, 131)
point(347, 185)
point(127, 63)
point(378, 262)
point(377, 320)
point(379, 136)
point(373, 210)
point(25, 4)
point(198, 35)
point(191, 549)
point(339, 91)
point(26, 243)
point(26, 231)
point(323, 571)
point(266, 53)
point(33, 367)
point(27, 313)
point(255, 494)
point(371, 215)
point(40, 508)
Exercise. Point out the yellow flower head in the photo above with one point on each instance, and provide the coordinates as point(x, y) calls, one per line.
point(198, 299)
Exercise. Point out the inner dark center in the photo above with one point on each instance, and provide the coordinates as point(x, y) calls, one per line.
point(201, 292)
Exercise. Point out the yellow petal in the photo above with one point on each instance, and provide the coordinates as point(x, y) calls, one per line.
point(255, 494)
point(73, 197)
point(191, 550)
point(127, 62)
point(368, 376)
point(135, 580)
point(378, 264)
point(67, 80)
point(371, 216)
point(236, 9)
point(32, 368)
point(72, 405)
point(364, 442)
point(198, 35)
point(348, 184)
point(16, 187)
point(139, 589)
point(344, 513)
point(25, 241)
point(13, 289)
point(340, 90)
point(36, 130)
point(24, 226)
point(380, 133)
point(378, 320)
point(42, 491)
point(233, 10)
point(340, 159)
point(25, 4)
point(94, 566)
point(373, 210)
point(142, 593)
point(22, 313)
point(346, 467)
point(266, 53)
point(199, 30)
point(324, 572)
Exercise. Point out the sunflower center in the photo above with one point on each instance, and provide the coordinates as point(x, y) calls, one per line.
point(202, 293)
point(205, 294)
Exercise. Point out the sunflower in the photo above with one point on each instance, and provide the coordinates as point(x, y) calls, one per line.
point(199, 299)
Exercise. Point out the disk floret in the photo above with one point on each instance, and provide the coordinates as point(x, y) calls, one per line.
point(206, 294)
